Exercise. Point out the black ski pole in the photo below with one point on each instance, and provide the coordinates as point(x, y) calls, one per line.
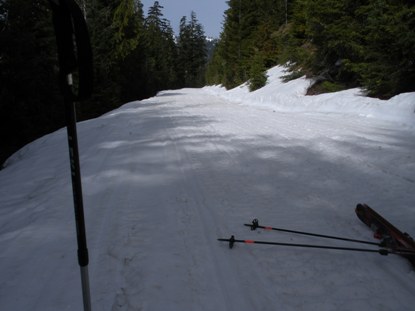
point(232, 241)
point(255, 224)
point(74, 52)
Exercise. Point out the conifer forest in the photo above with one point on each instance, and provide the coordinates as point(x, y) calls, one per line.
point(339, 43)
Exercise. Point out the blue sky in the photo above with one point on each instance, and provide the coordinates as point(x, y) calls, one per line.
point(209, 13)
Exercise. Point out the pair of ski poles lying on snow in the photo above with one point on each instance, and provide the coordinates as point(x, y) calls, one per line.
point(383, 250)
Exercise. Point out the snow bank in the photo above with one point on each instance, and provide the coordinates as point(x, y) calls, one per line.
point(165, 177)
point(290, 96)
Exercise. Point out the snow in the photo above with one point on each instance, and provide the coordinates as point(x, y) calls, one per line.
point(163, 178)
point(289, 97)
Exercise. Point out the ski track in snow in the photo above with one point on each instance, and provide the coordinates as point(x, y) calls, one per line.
point(165, 177)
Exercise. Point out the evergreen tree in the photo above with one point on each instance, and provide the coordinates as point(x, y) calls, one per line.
point(258, 77)
point(294, 43)
point(116, 29)
point(248, 36)
point(271, 15)
point(192, 52)
point(106, 95)
point(127, 22)
point(350, 43)
point(336, 33)
point(387, 65)
point(230, 46)
point(161, 52)
point(132, 61)
point(215, 69)
point(30, 100)
point(133, 58)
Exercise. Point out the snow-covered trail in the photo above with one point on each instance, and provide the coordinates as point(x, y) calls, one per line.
point(165, 177)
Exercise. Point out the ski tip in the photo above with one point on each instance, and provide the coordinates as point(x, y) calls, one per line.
point(361, 212)
point(361, 206)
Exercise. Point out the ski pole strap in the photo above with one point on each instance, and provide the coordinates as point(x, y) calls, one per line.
point(74, 48)
point(255, 224)
point(232, 241)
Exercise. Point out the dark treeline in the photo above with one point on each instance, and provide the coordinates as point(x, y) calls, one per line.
point(340, 43)
point(135, 56)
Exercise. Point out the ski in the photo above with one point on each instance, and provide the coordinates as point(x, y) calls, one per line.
point(383, 229)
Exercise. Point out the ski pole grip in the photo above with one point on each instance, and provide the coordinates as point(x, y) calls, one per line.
point(255, 224)
point(74, 47)
point(231, 241)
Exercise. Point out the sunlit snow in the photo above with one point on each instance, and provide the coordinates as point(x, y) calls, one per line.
point(163, 178)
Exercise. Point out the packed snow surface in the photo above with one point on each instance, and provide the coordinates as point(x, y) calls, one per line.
point(164, 178)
